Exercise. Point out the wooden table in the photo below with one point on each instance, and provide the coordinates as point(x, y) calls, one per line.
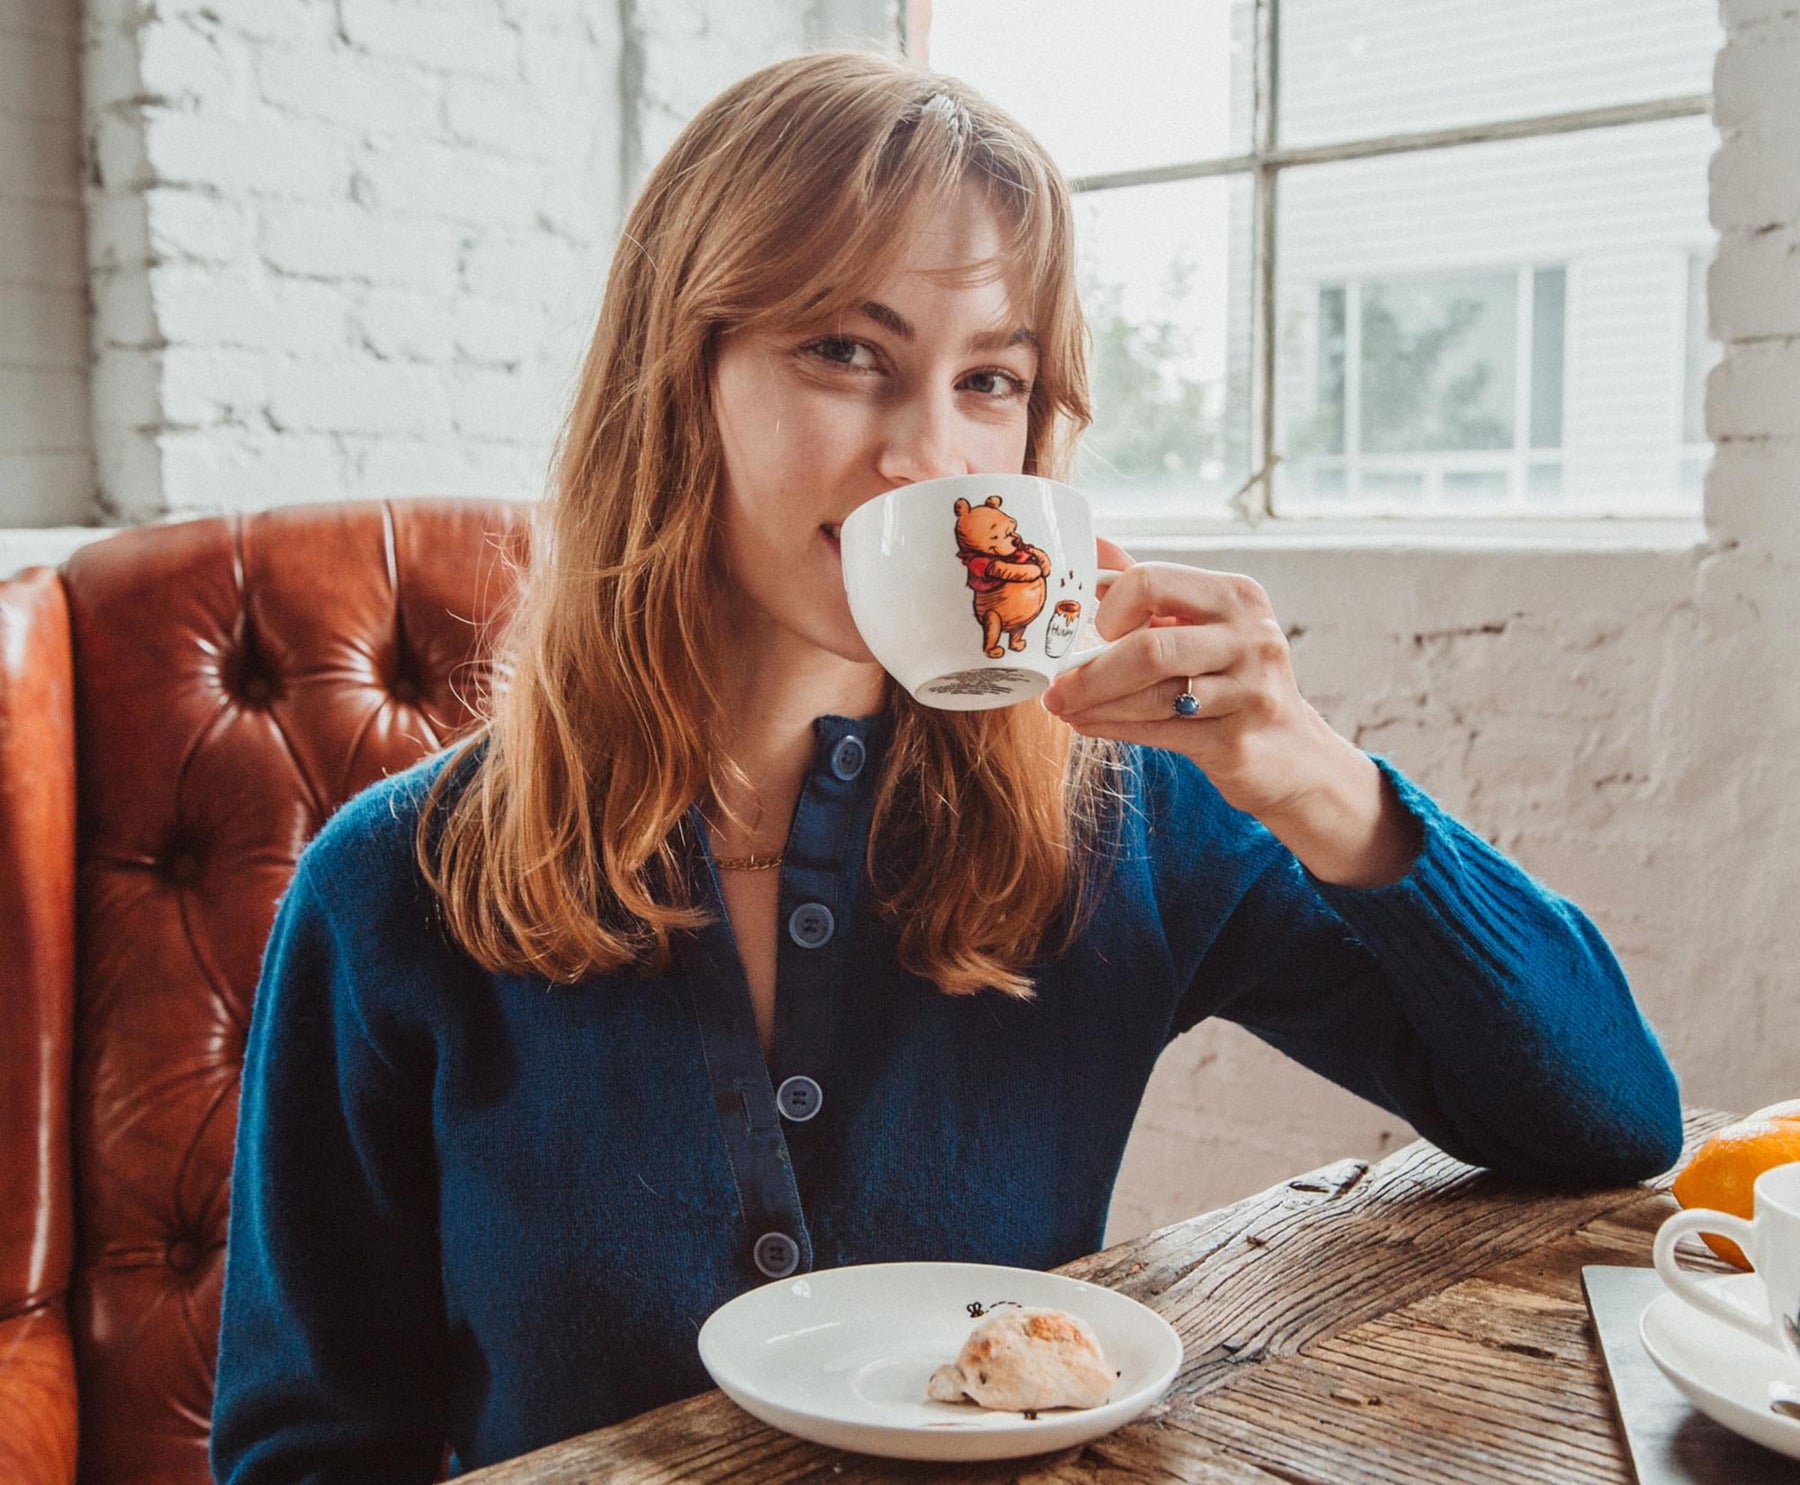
point(1415, 1320)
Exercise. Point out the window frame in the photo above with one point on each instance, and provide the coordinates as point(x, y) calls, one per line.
point(1254, 504)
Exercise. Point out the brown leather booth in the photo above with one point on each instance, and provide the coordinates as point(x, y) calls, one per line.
point(181, 708)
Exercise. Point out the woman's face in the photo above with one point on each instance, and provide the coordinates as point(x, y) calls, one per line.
point(922, 381)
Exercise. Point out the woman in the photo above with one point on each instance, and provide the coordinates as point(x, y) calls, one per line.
point(522, 1104)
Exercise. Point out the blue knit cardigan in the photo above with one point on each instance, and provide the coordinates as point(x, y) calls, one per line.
point(482, 1209)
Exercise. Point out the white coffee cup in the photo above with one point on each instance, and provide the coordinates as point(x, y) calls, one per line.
point(975, 590)
point(1770, 1240)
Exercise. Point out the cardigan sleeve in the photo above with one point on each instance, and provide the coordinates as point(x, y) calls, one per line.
point(332, 1332)
point(1467, 998)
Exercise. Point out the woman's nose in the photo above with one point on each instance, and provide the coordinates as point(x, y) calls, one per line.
point(921, 443)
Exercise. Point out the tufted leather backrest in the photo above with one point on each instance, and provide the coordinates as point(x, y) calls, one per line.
point(235, 681)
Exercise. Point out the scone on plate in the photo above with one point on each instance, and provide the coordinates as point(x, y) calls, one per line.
point(1023, 1360)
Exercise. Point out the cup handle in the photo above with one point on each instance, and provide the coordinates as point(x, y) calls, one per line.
point(1100, 646)
point(1689, 1289)
point(1078, 658)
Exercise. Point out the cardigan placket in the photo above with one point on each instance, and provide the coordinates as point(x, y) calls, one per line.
point(771, 1112)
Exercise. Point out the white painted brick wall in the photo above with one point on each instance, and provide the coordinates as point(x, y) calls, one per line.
point(680, 53)
point(1752, 290)
point(1755, 392)
point(1754, 284)
point(364, 243)
point(46, 444)
point(464, 38)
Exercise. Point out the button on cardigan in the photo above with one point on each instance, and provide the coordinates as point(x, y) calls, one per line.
point(482, 1209)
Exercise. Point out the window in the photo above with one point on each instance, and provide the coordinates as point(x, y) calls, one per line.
point(1438, 394)
point(1360, 258)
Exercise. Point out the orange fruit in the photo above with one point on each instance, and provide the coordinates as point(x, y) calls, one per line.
point(1722, 1175)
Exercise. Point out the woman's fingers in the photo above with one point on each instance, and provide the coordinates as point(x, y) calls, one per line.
point(1128, 716)
point(1113, 555)
point(1111, 684)
point(1193, 595)
point(1114, 559)
point(1172, 624)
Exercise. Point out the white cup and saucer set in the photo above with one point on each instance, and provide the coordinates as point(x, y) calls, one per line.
point(1731, 1344)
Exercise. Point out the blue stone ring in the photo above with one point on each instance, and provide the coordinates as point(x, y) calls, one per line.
point(1187, 704)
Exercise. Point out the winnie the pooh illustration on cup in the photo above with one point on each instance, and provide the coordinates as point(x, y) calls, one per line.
point(1006, 573)
point(973, 590)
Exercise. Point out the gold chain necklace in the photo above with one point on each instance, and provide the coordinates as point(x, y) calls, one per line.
point(748, 863)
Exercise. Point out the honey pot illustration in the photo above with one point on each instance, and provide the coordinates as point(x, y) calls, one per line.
point(1065, 624)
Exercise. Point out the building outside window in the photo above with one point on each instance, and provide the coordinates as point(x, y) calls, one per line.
point(1702, 356)
point(1444, 259)
point(1431, 393)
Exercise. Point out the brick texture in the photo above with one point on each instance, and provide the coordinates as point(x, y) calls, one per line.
point(46, 444)
point(355, 247)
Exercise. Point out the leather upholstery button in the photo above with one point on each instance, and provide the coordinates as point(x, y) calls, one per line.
point(799, 1098)
point(810, 925)
point(248, 677)
point(848, 757)
point(181, 867)
point(776, 1254)
point(184, 1255)
point(404, 689)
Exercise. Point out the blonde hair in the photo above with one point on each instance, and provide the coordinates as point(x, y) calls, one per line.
point(782, 202)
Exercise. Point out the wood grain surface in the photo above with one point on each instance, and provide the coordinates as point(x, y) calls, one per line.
point(1415, 1320)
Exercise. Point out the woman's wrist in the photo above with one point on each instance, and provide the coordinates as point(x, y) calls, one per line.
point(1351, 829)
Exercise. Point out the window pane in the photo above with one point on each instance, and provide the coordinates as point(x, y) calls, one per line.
point(1165, 275)
point(1399, 488)
point(1120, 86)
point(1547, 326)
point(1333, 354)
point(1501, 301)
point(1480, 485)
point(1438, 358)
point(1359, 68)
point(1543, 485)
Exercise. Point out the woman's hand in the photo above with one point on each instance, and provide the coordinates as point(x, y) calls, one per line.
point(1266, 750)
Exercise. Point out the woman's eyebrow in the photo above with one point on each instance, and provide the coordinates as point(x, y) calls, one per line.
point(988, 340)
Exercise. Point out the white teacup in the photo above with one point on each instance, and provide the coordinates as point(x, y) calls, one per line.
point(974, 590)
point(1771, 1241)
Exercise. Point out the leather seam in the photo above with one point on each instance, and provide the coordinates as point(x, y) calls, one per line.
point(33, 1306)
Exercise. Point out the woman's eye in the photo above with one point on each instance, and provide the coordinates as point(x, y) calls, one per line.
point(998, 384)
point(841, 350)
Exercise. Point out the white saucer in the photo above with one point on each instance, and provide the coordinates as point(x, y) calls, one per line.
point(841, 1356)
point(1724, 1373)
